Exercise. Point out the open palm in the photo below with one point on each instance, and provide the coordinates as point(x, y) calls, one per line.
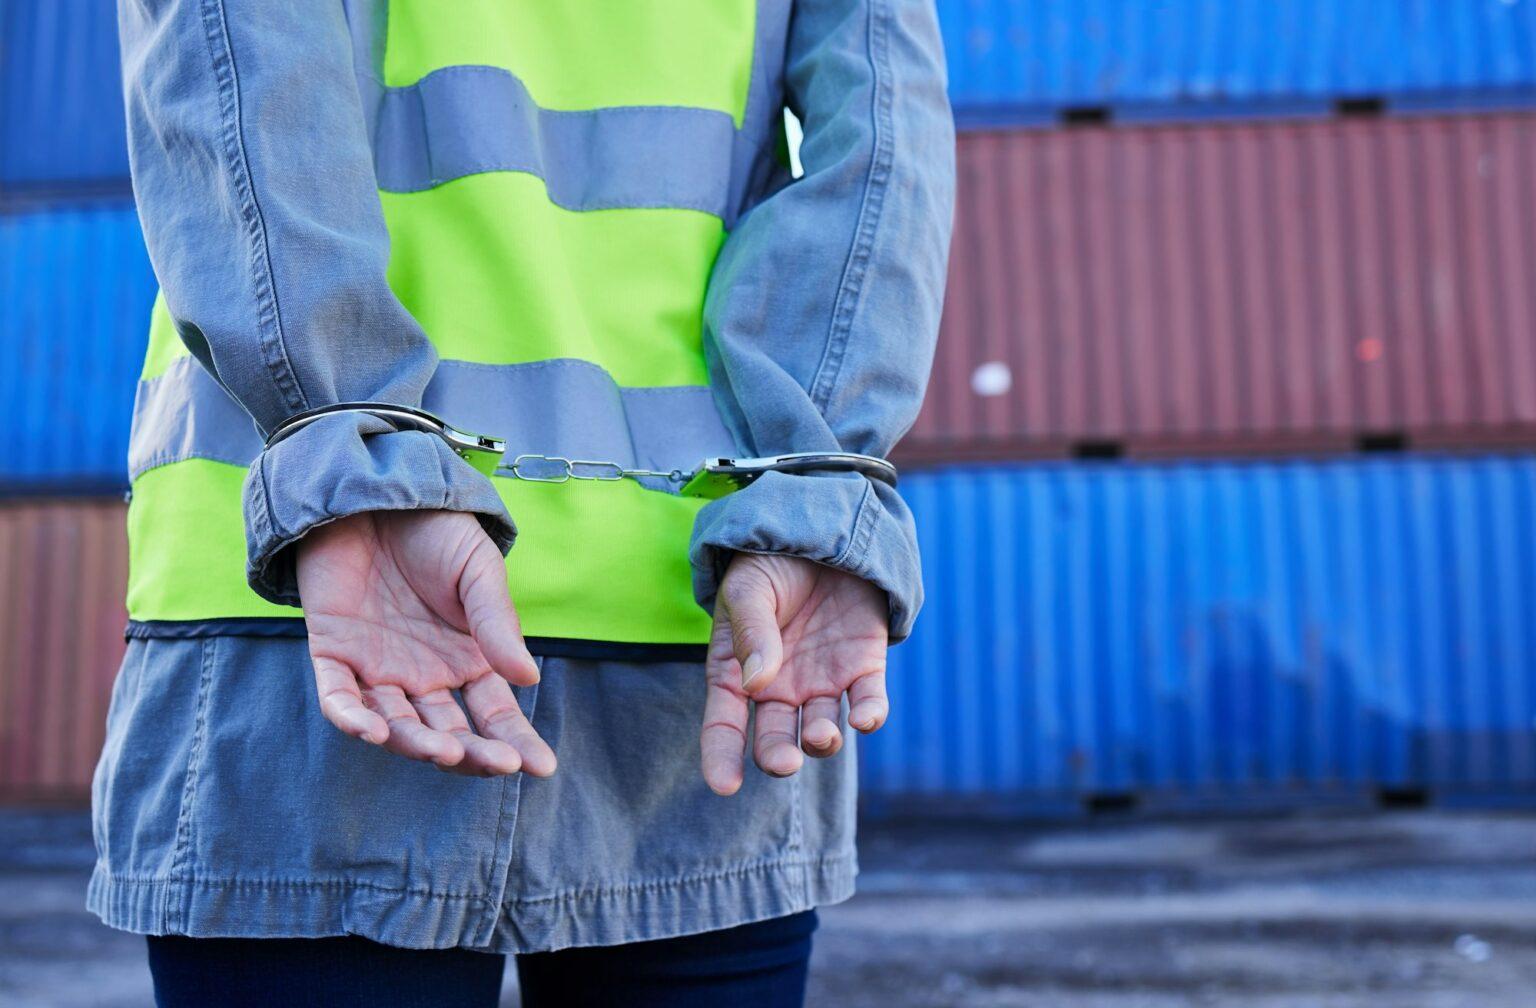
point(791, 637)
point(403, 609)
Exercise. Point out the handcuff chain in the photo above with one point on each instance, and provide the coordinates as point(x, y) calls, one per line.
point(569, 469)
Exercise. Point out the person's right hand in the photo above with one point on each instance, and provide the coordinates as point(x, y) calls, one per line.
point(403, 608)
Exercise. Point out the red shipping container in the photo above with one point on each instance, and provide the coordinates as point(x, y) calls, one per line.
point(1272, 285)
point(63, 569)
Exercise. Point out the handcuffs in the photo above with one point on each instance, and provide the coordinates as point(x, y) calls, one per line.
point(712, 478)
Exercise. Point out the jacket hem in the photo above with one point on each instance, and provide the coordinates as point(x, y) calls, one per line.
point(204, 907)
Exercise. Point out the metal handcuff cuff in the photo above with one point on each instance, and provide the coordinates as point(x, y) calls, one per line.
point(712, 478)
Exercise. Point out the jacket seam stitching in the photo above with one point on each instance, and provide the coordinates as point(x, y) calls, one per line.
point(871, 208)
point(853, 555)
point(280, 883)
point(511, 828)
point(754, 868)
point(182, 849)
point(442, 474)
point(269, 314)
point(273, 529)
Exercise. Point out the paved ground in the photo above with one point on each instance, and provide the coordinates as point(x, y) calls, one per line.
point(1392, 911)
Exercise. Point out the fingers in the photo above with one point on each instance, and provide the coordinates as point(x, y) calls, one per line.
point(493, 619)
point(723, 739)
point(773, 742)
point(497, 715)
point(721, 669)
point(868, 706)
point(756, 642)
point(408, 737)
point(819, 734)
point(342, 702)
point(483, 757)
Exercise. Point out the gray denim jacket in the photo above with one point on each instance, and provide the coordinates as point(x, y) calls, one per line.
point(256, 186)
point(224, 803)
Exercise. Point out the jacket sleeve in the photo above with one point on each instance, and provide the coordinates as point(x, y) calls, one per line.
point(824, 305)
point(255, 186)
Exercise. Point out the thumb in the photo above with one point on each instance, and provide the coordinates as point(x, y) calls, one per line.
point(492, 618)
point(752, 608)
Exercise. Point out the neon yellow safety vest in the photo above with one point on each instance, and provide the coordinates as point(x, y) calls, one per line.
point(557, 179)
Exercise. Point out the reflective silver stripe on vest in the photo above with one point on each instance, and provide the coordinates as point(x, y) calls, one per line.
point(465, 120)
point(562, 407)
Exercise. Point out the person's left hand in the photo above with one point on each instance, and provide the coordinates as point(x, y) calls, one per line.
point(792, 637)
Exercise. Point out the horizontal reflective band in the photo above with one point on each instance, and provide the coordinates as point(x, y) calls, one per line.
point(569, 408)
point(464, 120)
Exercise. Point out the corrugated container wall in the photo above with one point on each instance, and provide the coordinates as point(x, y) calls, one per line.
point(1022, 61)
point(61, 117)
point(63, 566)
point(1194, 634)
point(1239, 287)
point(61, 103)
point(73, 326)
point(1217, 632)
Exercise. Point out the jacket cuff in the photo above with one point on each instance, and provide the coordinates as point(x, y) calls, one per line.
point(843, 521)
point(346, 464)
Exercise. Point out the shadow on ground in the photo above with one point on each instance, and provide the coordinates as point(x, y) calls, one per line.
point(1403, 909)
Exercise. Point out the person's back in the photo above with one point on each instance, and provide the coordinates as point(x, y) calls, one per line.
point(571, 228)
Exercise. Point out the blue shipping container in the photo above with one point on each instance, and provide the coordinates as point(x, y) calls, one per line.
point(1010, 62)
point(1023, 61)
point(61, 99)
point(75, 294)
point(1211, 633)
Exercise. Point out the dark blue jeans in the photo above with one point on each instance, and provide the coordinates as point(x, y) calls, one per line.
point(759, 965)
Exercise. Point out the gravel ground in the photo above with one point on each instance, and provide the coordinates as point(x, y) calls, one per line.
point(1403, 910)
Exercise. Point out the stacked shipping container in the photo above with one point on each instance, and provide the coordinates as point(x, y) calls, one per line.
point(61, 104)
point(1232, 245)
point(1206, 634)
point(78, 290)
point(1228, 242)
point(75, 290)
point(63, 565)
point(1239, 288)
point(1013, 62)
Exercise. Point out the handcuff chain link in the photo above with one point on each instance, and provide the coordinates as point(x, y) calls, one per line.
point(522, 467)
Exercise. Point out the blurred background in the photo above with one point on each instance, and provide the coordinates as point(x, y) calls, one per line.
point(1225, 691)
